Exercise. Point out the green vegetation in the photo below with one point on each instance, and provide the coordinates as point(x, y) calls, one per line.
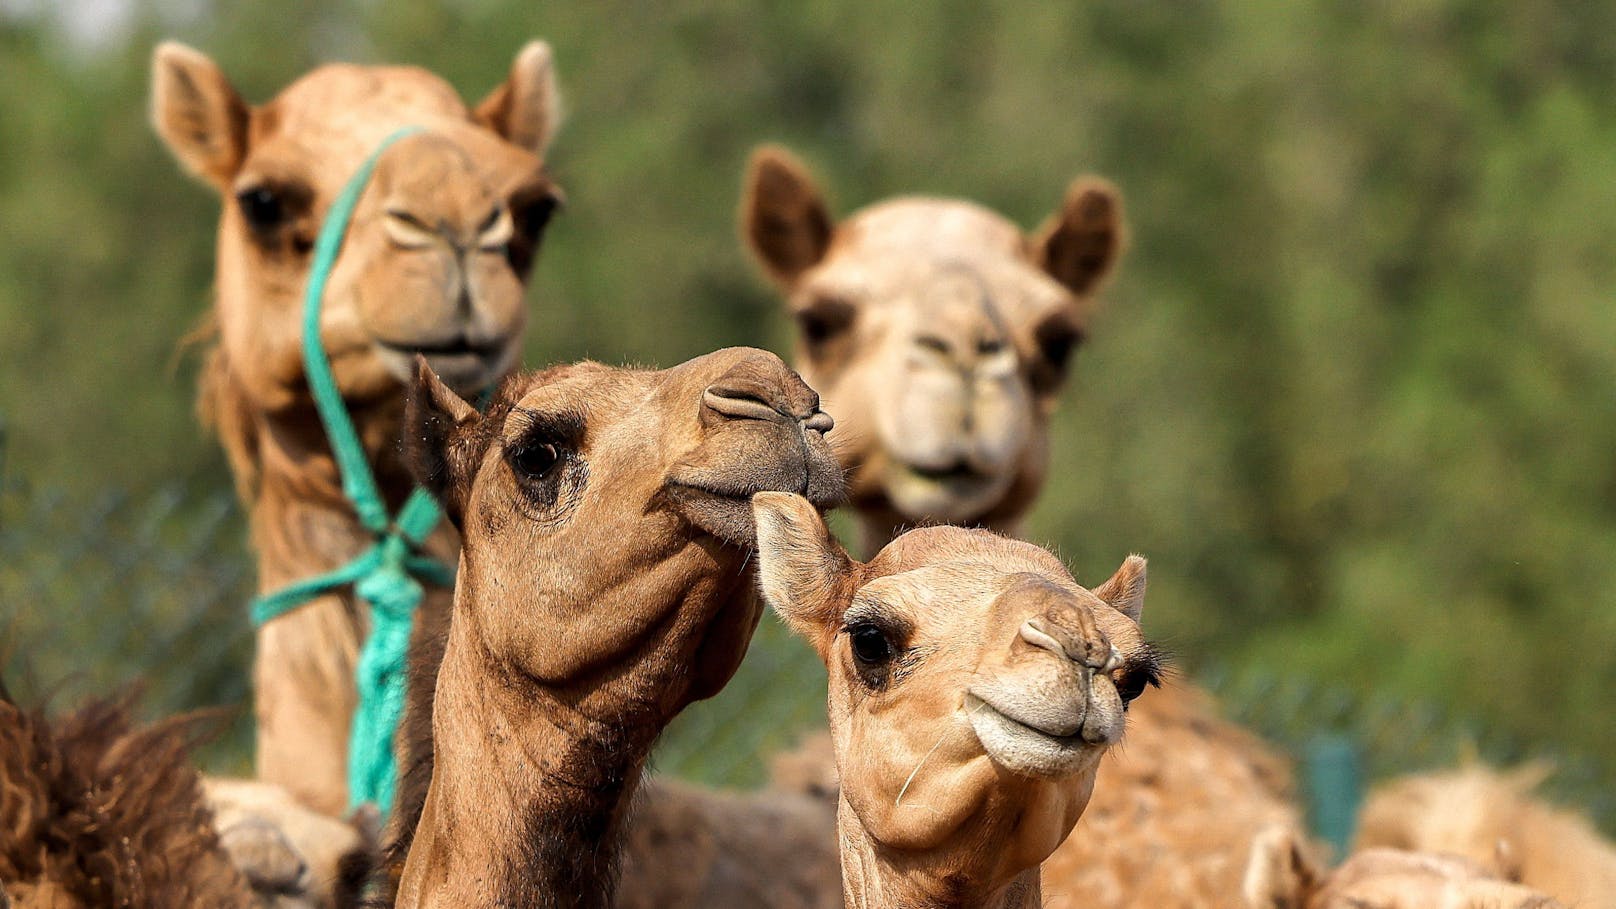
point(1352, 392)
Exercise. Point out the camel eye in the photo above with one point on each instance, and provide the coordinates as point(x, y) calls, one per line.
point(534, 215)
point(824, 319)
point(262, 208)
point(871, 646)
point(1132, 679)
point(535, 460)
point(1057, 340)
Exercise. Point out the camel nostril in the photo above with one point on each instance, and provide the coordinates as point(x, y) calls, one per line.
point(1034, 632)
point(820, 422)
point(1093, 652)
point(737, 404)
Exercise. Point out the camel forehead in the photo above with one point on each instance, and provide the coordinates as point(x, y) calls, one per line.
point(944, 544)
point(613, 393)
point(331, 118)
point(932, 255)
point(345, 93)
point(960, 227)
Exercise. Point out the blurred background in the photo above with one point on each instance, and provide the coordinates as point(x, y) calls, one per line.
point(1352, 391)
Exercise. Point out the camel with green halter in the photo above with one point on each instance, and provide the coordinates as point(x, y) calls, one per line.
point(435, 261)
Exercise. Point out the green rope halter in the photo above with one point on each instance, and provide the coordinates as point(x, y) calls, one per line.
point(385, 575)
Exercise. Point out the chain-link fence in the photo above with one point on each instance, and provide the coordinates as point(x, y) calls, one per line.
point(98, 591)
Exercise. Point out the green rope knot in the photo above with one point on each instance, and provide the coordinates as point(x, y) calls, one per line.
point(385, 576)
point(393, 596)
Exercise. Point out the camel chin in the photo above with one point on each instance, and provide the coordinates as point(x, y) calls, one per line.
point(467, 370)
point(956, 497)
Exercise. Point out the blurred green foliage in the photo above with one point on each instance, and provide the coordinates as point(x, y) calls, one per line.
point(1352, 392)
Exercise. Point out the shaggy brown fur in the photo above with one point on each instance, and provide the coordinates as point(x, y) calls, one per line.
point(95, 812)
point(1493, 819)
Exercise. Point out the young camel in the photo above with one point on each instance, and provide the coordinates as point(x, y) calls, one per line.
point(1495, 821)
point(1282, 875)
point(939, 335)
point(973, 688)
point(605, 583)
point(434, 262)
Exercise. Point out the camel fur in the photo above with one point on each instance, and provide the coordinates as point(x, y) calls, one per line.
point(1493, 819)
point(98, 812)
point(1284, 874)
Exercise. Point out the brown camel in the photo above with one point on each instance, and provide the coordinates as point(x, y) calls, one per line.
point(940, 330)
point(434, 262)
point(935, 326)
point(974, 687)
point(95, 812)
point(604, 584)
point(1495, 821)
point(1283, 875)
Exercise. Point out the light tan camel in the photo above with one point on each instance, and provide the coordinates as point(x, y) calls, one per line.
point(1494, 820)
point(974, 687)
point(1283, 875)
point(434, 263)
point(604, 584)
point(940, 330)
point(935, 326)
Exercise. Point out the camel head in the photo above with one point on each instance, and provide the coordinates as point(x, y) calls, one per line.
point(438, 250)
point(938, 333)
point(973, 688)
point(1281, 875)
point(613, 506)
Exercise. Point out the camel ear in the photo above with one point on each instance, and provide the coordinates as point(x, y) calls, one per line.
point(439, 439)
point(804, 572)
point(1081, 244)
point(1279, 875)
point(526, 108)
point(783, 217)
point(1125, 590)
point(197, 113)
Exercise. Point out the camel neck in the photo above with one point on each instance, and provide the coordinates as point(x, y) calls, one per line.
point(303, 665)
point(876, 878)
point(527, 799)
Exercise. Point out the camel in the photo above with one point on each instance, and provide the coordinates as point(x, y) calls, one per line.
point(1492, 819)
point(100, 813)
point(940, 330)
point(973, 688)
point(434, 263)
point(933, 324)
point(1283, 875)
point(605, 583)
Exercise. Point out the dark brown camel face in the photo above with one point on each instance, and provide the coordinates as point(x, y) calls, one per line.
point(602, 501)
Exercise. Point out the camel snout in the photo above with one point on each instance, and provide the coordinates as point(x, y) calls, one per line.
point(761, 387)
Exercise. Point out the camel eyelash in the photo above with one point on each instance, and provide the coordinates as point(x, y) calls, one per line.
point(563, 428)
